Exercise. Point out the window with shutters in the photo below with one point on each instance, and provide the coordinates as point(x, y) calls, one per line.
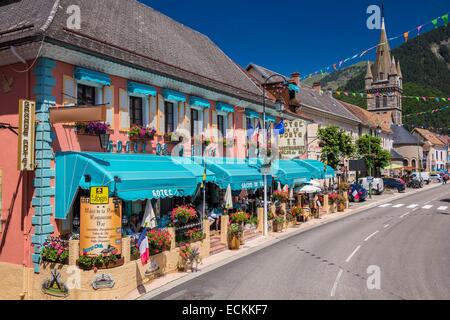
point(385, 102)
point(221, 124)
point(195, 123)
point(136, 113)
point(377, 102)
point(85, 95)
point(169, 119)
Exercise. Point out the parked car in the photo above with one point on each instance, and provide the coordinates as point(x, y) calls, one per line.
point(415, 183)
point(395, 183)
point(424, 176)
point(436, 177)
point(357, 193)
point(377, 185)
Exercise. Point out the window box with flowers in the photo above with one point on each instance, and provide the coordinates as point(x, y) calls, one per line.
point(183, 214)
point(138, 133)
point(190, 236)
point(94, 128)
point(55, 250)
point(102, 261)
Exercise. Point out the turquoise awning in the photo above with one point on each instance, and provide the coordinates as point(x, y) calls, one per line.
point(270, 119)
point(92, 76)
point(224, 107)
point(317, 169)
point(140, 88)
point(294, 87)
point(252, 114)
point(235, 172)
point(199, 102)
point(142, 176)
point(291, 173)
point(174, 95)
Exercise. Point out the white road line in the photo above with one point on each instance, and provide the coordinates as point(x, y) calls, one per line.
point(415, 209)
point(386, 226)
point(368, 238)
point(398, 205)
point(412, 206)
point(353, 253)
point(333, 290)
point(385, 205)
point(427, 207)
point(427, 202)
point(404, 215)
point(442, 208)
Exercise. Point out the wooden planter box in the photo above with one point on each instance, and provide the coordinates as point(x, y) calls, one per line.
point(234, 242)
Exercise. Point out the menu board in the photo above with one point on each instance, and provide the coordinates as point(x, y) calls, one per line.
point(100, 227)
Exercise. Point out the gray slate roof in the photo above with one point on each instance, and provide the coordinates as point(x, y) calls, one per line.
point(310, 97)
point(403, 137)
point(131, 32)
point(395, 155)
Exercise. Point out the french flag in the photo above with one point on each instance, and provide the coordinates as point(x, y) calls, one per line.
point(143, 246)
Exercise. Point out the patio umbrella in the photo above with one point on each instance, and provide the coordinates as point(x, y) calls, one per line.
point(279, 186)
point(228, 198)
point(149, 220)
point(310, 189)
point(286, 188)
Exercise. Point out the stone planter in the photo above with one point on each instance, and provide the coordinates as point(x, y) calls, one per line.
point(278, 227)
point(341, 207)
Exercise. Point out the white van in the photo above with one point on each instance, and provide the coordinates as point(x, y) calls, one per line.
point(425, 176)
point(377, 185)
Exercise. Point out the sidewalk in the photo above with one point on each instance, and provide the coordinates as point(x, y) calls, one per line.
point(210, 263)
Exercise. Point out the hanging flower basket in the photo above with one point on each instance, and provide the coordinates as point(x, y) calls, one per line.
point(94, 128)
point(183, 214)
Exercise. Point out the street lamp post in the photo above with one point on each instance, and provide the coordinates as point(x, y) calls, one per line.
point(264, 171)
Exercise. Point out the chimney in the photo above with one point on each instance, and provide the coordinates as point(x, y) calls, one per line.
point(330, 92)
point(317, 86)
point(295, 77)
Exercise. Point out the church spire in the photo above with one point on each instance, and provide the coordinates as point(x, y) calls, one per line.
point(383, 60)
point(369, 71)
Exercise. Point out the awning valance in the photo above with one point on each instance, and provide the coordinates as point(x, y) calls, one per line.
point(224, 107)
point(270, 119)
point(252, 114)
point(130, 177)
point(235, 172)
point(317, 169)
point(92, 76)
point(290, 172)
point(174, 95)
point(199, 102)
point(140, 88)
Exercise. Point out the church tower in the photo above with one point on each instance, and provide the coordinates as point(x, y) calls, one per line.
point(384, 81)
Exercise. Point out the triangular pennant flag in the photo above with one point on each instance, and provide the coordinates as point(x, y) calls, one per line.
point(334, 66)
point(418, 29)
point(363, 53)
point(435, 22)
point(340, 63)
point(406, 36)
point(445, 19)
point(443, 99)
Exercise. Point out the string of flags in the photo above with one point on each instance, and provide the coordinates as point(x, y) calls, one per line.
point(380, 94)
point(425, 112)
point(444, 19)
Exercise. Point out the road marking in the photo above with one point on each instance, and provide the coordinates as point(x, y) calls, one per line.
point(427, 202)
point(404, 215)
point(333, 290)
point(442, 208)
point(385, 205)
point(427, 207)
point(398, 205)
point(386, 226)
point(353, 253)
point(368, 238)
point(412, 206)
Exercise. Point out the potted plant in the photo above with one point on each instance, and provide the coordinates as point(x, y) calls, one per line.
point(158, 241)
point(190, 258)
point(332, 200)
point(240, 218)
point(183, 214)
point(341, 203)
point(278, 224)
point(297, 213)
point(281, 196)
point(93, 128)
point(234, 236)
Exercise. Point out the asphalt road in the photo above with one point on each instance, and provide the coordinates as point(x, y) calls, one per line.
point(405, 245)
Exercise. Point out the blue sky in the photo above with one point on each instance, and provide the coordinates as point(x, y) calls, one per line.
point(296, 35)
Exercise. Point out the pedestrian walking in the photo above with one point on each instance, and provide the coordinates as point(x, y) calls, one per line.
point(445, 179)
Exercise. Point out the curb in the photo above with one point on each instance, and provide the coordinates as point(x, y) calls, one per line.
point(274, 239)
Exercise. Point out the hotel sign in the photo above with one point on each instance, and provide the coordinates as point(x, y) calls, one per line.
point(292, 142)
point(27, 135)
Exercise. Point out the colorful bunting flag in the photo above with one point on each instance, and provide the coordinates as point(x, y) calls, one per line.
point(435, 22)
point(445, 19)
point(406, 36)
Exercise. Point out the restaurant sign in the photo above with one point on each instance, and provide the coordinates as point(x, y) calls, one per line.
point(100, 228)
point(292, 142)
point(27, 135)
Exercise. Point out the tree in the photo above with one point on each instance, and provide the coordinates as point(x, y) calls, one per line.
point(377, 157)
point(336, 145)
